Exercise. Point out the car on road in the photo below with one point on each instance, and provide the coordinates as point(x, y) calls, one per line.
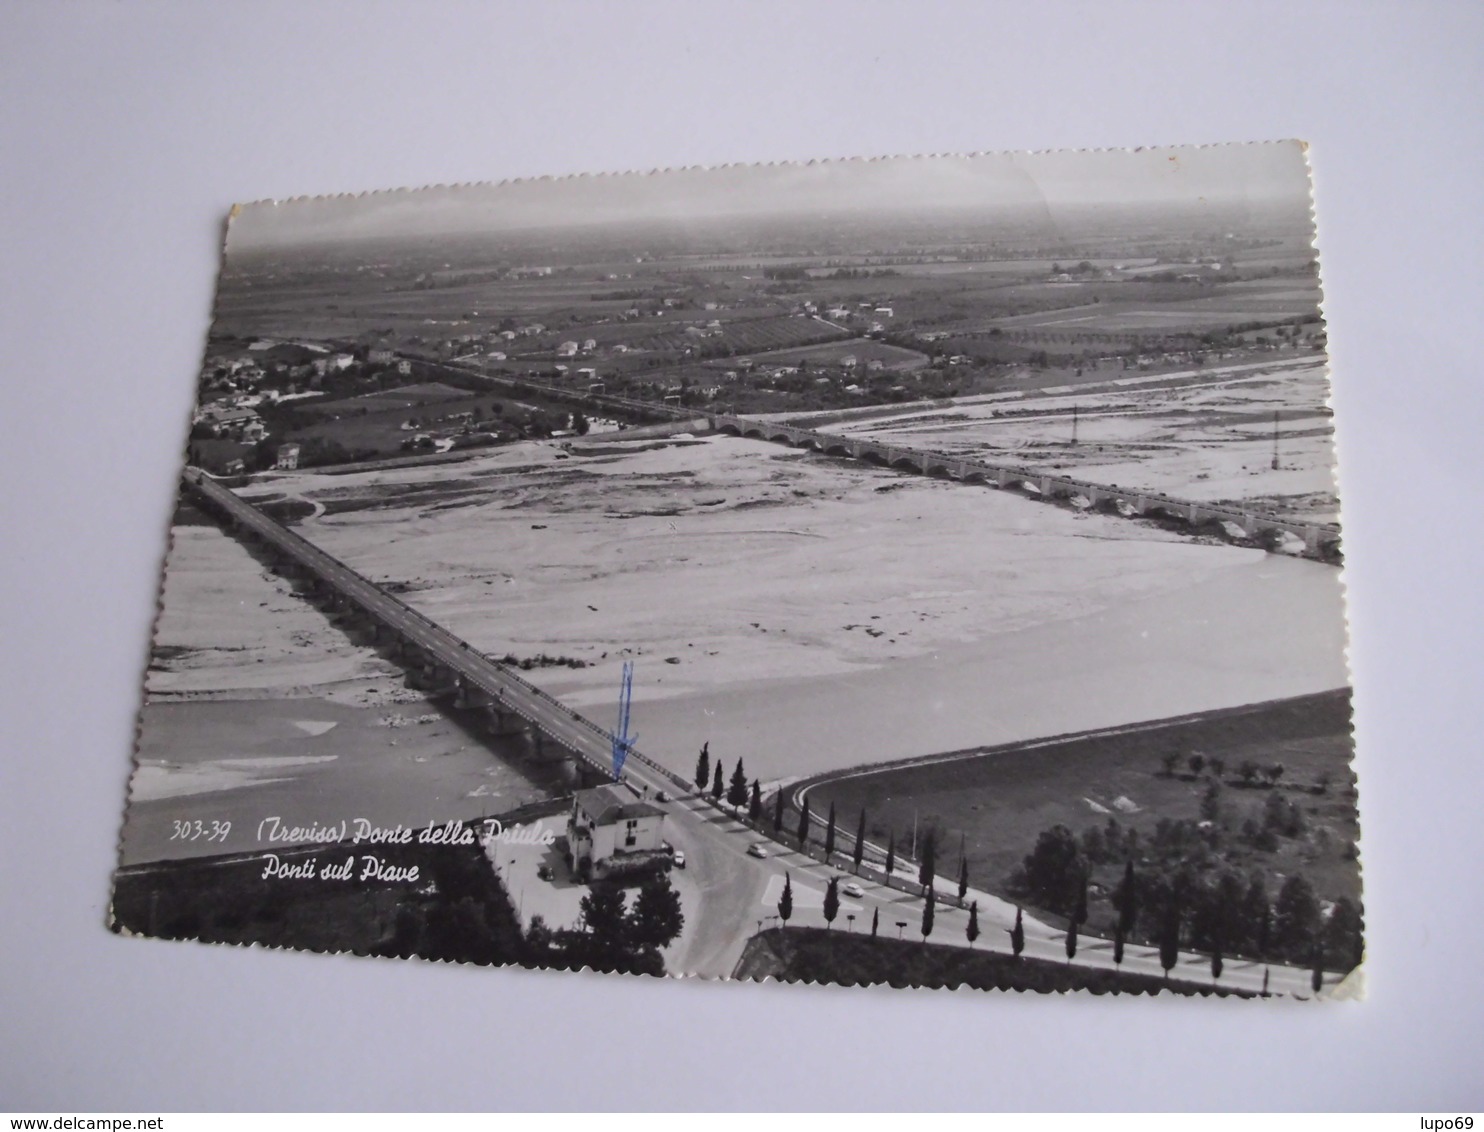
point(678, 859)
point(543, 872)
point(757, 849)
point(663, 796)
point(850, 888)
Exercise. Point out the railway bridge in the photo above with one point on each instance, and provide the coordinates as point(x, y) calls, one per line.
point(1321, 540)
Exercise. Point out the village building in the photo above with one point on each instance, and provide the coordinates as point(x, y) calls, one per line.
point(288, 457)
point(610, 823)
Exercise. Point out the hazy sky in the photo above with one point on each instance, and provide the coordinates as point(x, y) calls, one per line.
point(1177, 174)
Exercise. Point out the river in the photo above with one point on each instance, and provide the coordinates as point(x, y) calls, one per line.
point(1266, 628)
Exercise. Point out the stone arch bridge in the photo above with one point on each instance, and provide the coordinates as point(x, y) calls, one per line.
point(1321, 540)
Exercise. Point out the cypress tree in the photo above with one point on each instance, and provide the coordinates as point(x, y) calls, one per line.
point(778, 811)
point(737, 790)
point(928, 868)
point(703, 767)
point(875, 921)
point(829, 835)
point(1072, 941)
point(1017, 935)
point(1128, 899)
point(1216, 964)
point(1169, 939)
point(717, 785)
point(858, 854)
point(1317, 982)
point(786, 901)
point(804, 824)
point(831, 902)
point(972, 931)
point(1118, 945)
point(963, 876)
point(927, 915)
point(755, 803)
point(891, 854)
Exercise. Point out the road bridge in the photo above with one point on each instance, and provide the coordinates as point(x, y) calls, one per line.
point(435, 660)
point(1321, 540)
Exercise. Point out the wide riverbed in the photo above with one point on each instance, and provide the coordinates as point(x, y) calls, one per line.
point(809, 614)
point(1267, 629)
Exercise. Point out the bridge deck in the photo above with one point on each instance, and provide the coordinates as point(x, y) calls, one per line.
point(926, 458)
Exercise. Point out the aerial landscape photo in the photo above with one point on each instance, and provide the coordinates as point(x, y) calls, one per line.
point(920, 571)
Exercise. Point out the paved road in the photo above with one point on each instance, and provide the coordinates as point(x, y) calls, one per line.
point(996, 916)
point(738, 892)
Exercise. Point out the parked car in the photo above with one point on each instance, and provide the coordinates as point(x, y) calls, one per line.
point(757, 849)
point(543, 872)
point(678, 860)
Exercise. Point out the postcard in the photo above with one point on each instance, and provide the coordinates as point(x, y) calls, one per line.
point(915, 571)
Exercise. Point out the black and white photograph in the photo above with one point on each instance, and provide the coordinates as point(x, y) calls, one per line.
point(922, 571)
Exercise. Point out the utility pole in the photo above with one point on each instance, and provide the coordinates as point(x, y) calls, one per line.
point(1275, 440)
point(1074, 426)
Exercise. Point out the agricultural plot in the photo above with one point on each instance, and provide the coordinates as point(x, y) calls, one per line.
point(386, 400)
point(862, 349)
point(1265, 301)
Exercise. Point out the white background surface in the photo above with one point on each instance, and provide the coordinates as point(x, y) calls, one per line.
point(126, 130)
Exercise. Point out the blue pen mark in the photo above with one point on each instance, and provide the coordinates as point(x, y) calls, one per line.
point(623, 742)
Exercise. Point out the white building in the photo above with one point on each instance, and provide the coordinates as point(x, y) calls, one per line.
point(608, 823)
point(288, 457)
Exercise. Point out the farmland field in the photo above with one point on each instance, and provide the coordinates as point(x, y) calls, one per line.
point(387, 400)
point(862, 349)
point(1267, 300)
point(999, 802)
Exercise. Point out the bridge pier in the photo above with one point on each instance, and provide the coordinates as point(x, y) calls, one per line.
point(501, 722)
point(470, 696)
point(585, 776)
